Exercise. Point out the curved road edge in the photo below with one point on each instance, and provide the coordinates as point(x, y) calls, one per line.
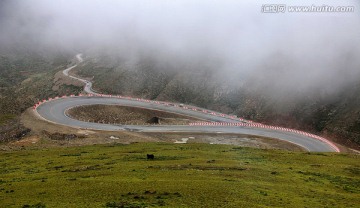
point(54, 108)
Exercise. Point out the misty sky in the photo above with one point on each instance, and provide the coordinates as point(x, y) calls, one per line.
point(286, 50)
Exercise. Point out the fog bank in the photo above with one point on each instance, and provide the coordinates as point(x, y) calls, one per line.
point(290, 51)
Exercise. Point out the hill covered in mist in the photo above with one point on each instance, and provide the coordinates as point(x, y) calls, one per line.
point(332, 114)
point(294, 69)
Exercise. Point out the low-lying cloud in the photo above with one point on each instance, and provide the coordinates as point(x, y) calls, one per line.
point(292, 51)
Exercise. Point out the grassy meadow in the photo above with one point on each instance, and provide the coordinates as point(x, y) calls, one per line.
point(181, 175)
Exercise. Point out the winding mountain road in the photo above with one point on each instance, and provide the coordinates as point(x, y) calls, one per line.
point(54, 110)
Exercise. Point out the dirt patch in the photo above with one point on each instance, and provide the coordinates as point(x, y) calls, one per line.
point(27, 141)
point(231, 139)
point(127, 115)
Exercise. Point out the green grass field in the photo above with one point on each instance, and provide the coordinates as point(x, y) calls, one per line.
point(181, 175)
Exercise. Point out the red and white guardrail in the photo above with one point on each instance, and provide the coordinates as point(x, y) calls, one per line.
point(259, 125)
point(240, 122)
point(187, 107)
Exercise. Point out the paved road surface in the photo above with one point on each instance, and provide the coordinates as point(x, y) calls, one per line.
point(55, 111)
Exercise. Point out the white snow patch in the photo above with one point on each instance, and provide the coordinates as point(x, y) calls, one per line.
point(112, 137)
point(183, 141)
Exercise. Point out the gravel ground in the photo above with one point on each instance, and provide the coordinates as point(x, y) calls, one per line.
point(126, 115)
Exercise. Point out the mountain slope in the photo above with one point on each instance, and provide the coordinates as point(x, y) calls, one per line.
point(332, 114)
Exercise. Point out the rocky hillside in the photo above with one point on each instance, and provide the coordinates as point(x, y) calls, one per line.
point(335, 115)
point(26, 78)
